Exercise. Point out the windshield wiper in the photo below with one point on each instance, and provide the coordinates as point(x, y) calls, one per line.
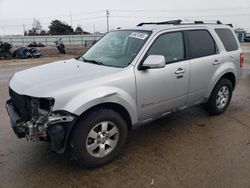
point(91, 61)
point(94, 62)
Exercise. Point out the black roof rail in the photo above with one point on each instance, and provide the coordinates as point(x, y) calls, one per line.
point(160, 23)
point(176, 22)
point(219, 22)
point(198, 22)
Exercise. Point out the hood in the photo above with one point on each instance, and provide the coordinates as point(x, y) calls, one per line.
point(42, 81)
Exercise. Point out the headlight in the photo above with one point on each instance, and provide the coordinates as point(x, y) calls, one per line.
point(42, 106)
point(46, 106)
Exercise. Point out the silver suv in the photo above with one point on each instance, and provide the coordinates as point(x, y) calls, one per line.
point(129, 77)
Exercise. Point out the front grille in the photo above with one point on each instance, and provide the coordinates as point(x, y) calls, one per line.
point(21, 104)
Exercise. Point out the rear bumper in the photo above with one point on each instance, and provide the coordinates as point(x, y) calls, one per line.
point(15, 120)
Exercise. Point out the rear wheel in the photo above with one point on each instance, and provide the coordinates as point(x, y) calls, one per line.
point(63, 51)
point(220, 97)
point(99, 137)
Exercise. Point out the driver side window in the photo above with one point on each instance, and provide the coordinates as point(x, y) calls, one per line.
point(170, 45)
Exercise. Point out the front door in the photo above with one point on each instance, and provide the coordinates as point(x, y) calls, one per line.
point(163, 89)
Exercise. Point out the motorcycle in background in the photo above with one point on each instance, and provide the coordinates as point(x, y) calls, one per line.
point(5, 52)
point(60, 46)
point(23, 53)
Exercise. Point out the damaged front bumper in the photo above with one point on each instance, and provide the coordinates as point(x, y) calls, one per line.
point(54, 128)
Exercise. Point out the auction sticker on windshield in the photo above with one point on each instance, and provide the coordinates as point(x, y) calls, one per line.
point(138, 35)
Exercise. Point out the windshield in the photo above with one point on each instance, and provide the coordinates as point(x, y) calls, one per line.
point(117, 48)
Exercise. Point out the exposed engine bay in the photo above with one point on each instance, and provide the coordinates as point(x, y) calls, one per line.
point(34, 119)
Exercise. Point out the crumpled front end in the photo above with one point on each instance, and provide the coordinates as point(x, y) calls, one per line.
point(35, 119)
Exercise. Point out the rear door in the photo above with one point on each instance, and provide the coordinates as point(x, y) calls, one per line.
point(205, 60)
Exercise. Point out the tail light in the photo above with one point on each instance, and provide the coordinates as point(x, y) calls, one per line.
point(241, 60)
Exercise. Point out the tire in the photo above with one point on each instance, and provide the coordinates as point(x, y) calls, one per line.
point(220, 97)
point(63, 51)
point(14, 54)
point(8, 55)
point(93, 124)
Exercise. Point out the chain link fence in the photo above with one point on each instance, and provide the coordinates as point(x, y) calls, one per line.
point(48, 40)
point(74, 44)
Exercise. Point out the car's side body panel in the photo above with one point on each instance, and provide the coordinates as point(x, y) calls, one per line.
point(99, 95)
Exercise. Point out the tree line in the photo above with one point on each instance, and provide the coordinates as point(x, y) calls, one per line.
point(56, 27)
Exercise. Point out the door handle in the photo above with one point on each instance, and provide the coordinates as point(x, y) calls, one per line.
point(216, 62)
point(179, 71)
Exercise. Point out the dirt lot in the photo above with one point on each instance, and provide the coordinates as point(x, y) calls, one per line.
point(186, 149)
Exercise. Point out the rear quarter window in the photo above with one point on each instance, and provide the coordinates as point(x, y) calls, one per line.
point(227, 38)
point(201, 43)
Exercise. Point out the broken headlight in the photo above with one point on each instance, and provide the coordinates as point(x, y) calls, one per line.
point(42, 106)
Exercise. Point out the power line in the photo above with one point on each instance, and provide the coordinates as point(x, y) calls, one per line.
point(179, 10)
point(54, 16)
point(127, 11)
point(131, 11)
point(163, 16)
point(87, 19)
point(138, 14)
point(46, 23)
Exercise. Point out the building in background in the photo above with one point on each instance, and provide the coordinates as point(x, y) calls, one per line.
point(241, 34)
point(247, 38)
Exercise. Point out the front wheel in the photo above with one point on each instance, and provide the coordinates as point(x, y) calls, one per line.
point(220, 97)
point(98, 138)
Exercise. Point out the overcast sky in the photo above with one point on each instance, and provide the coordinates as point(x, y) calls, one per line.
point(15, 13)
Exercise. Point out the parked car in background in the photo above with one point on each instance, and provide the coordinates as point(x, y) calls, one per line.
point(130, 77)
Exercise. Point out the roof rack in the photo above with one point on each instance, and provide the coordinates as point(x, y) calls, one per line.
point(176, 22)
point(160, 23)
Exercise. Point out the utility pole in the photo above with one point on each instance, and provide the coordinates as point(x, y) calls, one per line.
point(71, 19)
point(107, 15)
point(3, 30)
point(24, 29)
point(94, 28)
point(94, 31)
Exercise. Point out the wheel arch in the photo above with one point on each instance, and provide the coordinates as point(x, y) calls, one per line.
point(228, 75)
point(108, 105)
point(113, 106)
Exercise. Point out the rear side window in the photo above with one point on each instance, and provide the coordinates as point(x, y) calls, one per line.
point(201, 43)
point(228, 39)
point(170, 45)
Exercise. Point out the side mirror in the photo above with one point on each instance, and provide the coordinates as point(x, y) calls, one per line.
point(154, 62)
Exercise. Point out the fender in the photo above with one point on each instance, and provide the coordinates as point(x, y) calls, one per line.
point(227, 67)
point(95, 96)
